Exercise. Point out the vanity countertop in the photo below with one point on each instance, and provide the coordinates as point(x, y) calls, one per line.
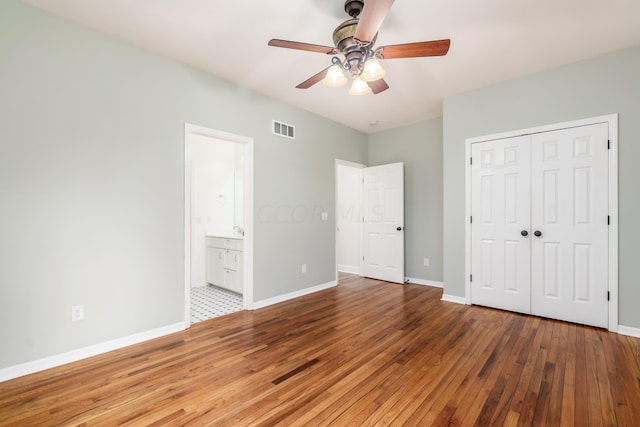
point(224, 237)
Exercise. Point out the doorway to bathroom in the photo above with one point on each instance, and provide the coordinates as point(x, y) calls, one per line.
point(218, 223)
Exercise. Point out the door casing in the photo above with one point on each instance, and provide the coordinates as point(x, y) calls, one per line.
point(247, 295)
point(612, 121)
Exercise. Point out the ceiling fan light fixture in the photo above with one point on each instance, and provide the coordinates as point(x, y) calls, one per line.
point(359, 87)
point(335, 77)
point(354, 40)
point(372, 71)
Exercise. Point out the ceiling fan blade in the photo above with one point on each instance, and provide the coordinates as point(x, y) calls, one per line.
point(371, 18)
point(313, 79)
point(303, 46)
point(414, 50)
point(378, 86)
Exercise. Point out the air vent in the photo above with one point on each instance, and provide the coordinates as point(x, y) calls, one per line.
point(283, 129)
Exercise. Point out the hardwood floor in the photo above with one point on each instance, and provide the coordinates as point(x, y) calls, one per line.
point(364, 353)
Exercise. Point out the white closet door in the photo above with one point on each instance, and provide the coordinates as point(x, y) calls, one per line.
point(500, 260)
point(569, 210)
point(384, 222)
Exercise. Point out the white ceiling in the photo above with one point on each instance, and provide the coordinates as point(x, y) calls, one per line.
point(491, 41)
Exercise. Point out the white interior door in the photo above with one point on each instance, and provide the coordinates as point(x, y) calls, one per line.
point(500, 181)
point(569, 212)
point(384, 222)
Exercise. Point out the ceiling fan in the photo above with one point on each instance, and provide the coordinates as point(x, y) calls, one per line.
point(354, 40)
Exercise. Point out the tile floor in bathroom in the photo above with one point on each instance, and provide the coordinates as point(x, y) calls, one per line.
point(210, 301)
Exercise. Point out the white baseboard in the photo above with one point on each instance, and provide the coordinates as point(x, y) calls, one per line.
point(453, 298)
point(351, 269)
point(291, 295)
point(424, 282)
point(82, 353)
point(628, 330)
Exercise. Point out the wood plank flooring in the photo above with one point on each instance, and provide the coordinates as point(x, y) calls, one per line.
point(364, 353)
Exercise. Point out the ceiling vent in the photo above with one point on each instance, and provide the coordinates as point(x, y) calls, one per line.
point(283, 129)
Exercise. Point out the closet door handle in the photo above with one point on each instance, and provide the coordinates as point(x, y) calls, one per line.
point(524, 233)
point(537, 233)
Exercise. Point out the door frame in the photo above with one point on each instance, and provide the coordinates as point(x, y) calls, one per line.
point(354, 165)
point(612, 121)
point(247, 293)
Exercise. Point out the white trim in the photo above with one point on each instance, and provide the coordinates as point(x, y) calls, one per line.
point(467, 222)
point(546, 128)
point(424, 282)
point(350, 164)
point(613, 224)
point(247, 293)
point(612, 121)
point(629, 331)
point(82, 353)
point(453, 298)
point(292, 295)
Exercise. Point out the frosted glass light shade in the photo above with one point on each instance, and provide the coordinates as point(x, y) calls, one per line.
point(372, 71)
point(335, 77)
point(359, 87)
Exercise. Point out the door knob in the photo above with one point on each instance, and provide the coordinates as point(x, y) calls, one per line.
point(537, 233)
point(524, 233)
point(399, 228)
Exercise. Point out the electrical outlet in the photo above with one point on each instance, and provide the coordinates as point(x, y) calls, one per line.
point(77, 313)
point(426, 262)
point(304, 269)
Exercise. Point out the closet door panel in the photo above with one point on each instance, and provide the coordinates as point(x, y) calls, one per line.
point(500, 260)
point(569, 208)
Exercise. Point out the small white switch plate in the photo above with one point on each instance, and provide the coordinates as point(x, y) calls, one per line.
point(325, 216)
point(304, 268)
point(77, 313)
point(426, 262)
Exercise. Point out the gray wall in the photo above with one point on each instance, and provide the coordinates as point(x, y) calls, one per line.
point(604, 85)
point(91, 183)
point(419, 147)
